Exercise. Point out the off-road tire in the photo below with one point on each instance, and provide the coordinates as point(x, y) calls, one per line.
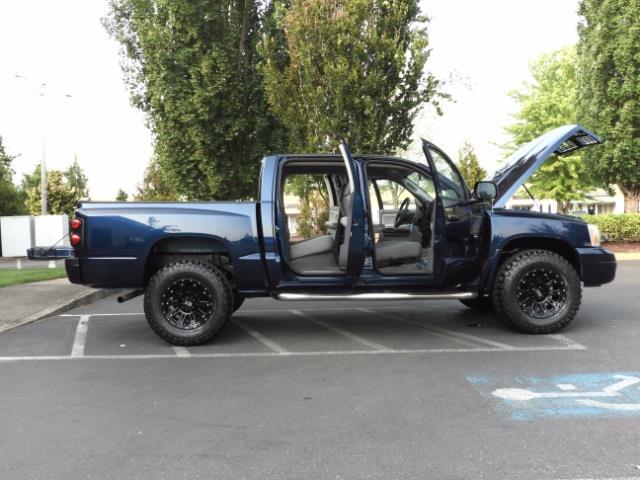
point(480, 304)
point(211, 278)
point(238, 300)
point(509, 279)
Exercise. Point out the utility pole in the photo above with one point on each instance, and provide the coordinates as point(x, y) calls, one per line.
point(41, 92)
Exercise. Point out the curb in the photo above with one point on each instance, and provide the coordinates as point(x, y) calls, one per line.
point(627, 256)
point(83, 298)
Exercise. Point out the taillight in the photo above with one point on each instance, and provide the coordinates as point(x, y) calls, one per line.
point(76, 231)
point(76, 223)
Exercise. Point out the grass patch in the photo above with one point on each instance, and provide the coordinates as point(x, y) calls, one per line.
point(28, 275)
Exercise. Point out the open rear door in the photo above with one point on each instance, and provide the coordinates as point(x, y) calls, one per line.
point(351, 256)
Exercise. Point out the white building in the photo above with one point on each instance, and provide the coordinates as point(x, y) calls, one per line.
point(597, 202)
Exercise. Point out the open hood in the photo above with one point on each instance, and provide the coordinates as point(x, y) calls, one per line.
point(528, 158)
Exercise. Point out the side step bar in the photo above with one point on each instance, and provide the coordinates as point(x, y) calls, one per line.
point(377, 296)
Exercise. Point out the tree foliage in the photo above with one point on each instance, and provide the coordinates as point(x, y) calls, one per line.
point(191, 66)
point(354, 68)
point(62, 195)
point(313, 216)
point(546, 103)
point(122, 196)
point(11, 197)
point(609, 91)
point(469, 165)
point(155, 186)
point(77, 180)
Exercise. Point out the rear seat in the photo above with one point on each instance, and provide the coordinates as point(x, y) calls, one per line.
point(312, 246)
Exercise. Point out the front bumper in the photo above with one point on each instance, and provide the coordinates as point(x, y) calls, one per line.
point(72, 266)
point(597, 266)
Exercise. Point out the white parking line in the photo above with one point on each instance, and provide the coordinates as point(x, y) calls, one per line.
point(270, 344)
point(282, 355)
point(566, 341)
point(604, 478)
point(344, 333)
point(81, 336)
point(447, 333)
point(181, 351)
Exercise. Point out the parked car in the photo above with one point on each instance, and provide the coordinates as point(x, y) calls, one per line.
point(196, 262)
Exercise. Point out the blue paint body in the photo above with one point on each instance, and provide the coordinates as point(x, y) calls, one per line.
point(119, 237)
point(563, 407)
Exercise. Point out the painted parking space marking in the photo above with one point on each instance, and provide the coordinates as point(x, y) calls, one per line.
point(181, 351)
point(578, 395)
point(267, 342)
point(467, 343)
point(467, 339)
point(344, 333)
point(347, 353)
point(80, 338)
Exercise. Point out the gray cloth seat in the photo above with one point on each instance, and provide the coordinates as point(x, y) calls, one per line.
point(312, 246)
point(396, 250)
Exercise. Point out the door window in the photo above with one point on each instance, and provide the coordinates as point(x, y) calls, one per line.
point(451, 183)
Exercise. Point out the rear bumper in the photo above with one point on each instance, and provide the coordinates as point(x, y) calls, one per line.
point(597, 266)
point(72, 266)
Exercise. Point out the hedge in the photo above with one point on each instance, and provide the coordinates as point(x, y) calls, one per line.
point(620, 227)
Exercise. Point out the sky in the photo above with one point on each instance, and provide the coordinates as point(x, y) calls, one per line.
point(481, 49)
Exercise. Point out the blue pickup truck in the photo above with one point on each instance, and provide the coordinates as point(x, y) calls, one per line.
point(196, 262)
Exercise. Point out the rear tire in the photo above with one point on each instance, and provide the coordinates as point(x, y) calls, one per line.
point(188, 302)
point(480, 304)
point(537, 291)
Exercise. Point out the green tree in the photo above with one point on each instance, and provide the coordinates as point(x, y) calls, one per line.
point(122, 196)
point(313, 216)
point(546, 103)
point(61, 196)
point(155, 186)
point(609, 92)
point(469, 165)
point(11, 198)
point(191, 66)
point(77, 180)
point(354, 68)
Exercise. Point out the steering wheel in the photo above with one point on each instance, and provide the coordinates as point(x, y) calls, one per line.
point(402, 214)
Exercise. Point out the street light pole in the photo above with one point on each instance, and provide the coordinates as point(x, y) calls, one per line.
point(43, 163)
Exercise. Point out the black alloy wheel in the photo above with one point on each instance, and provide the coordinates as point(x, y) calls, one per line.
point(188, 302)
point(537, 291)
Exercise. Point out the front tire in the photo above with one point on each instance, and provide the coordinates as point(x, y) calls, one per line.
point(537, 291)
point(188, 302)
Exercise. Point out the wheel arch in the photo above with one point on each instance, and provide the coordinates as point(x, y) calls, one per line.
point(529, 242)
point(203, 248)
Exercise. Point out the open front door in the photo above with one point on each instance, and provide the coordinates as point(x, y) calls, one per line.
point(351, 256)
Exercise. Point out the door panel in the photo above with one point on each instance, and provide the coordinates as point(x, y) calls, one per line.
point(351, 254)
point(455, 243)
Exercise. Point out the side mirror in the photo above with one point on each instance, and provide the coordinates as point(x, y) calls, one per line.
point(485, 191)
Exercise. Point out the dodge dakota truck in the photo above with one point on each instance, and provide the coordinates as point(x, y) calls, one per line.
point(195, 262)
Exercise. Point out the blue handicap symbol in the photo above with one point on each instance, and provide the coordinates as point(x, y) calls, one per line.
point(580, 395)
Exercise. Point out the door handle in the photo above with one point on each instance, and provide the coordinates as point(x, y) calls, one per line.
point(453, 218)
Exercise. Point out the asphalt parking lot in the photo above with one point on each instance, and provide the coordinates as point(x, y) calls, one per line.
point(349, 390)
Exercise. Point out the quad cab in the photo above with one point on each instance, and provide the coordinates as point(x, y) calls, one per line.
point(397, 229)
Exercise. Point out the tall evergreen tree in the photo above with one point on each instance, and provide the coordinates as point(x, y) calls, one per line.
point(191, 66)
point(609, 91)
point(354, 68)
point(469, 165)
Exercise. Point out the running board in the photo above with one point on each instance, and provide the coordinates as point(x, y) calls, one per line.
point(377, 296)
